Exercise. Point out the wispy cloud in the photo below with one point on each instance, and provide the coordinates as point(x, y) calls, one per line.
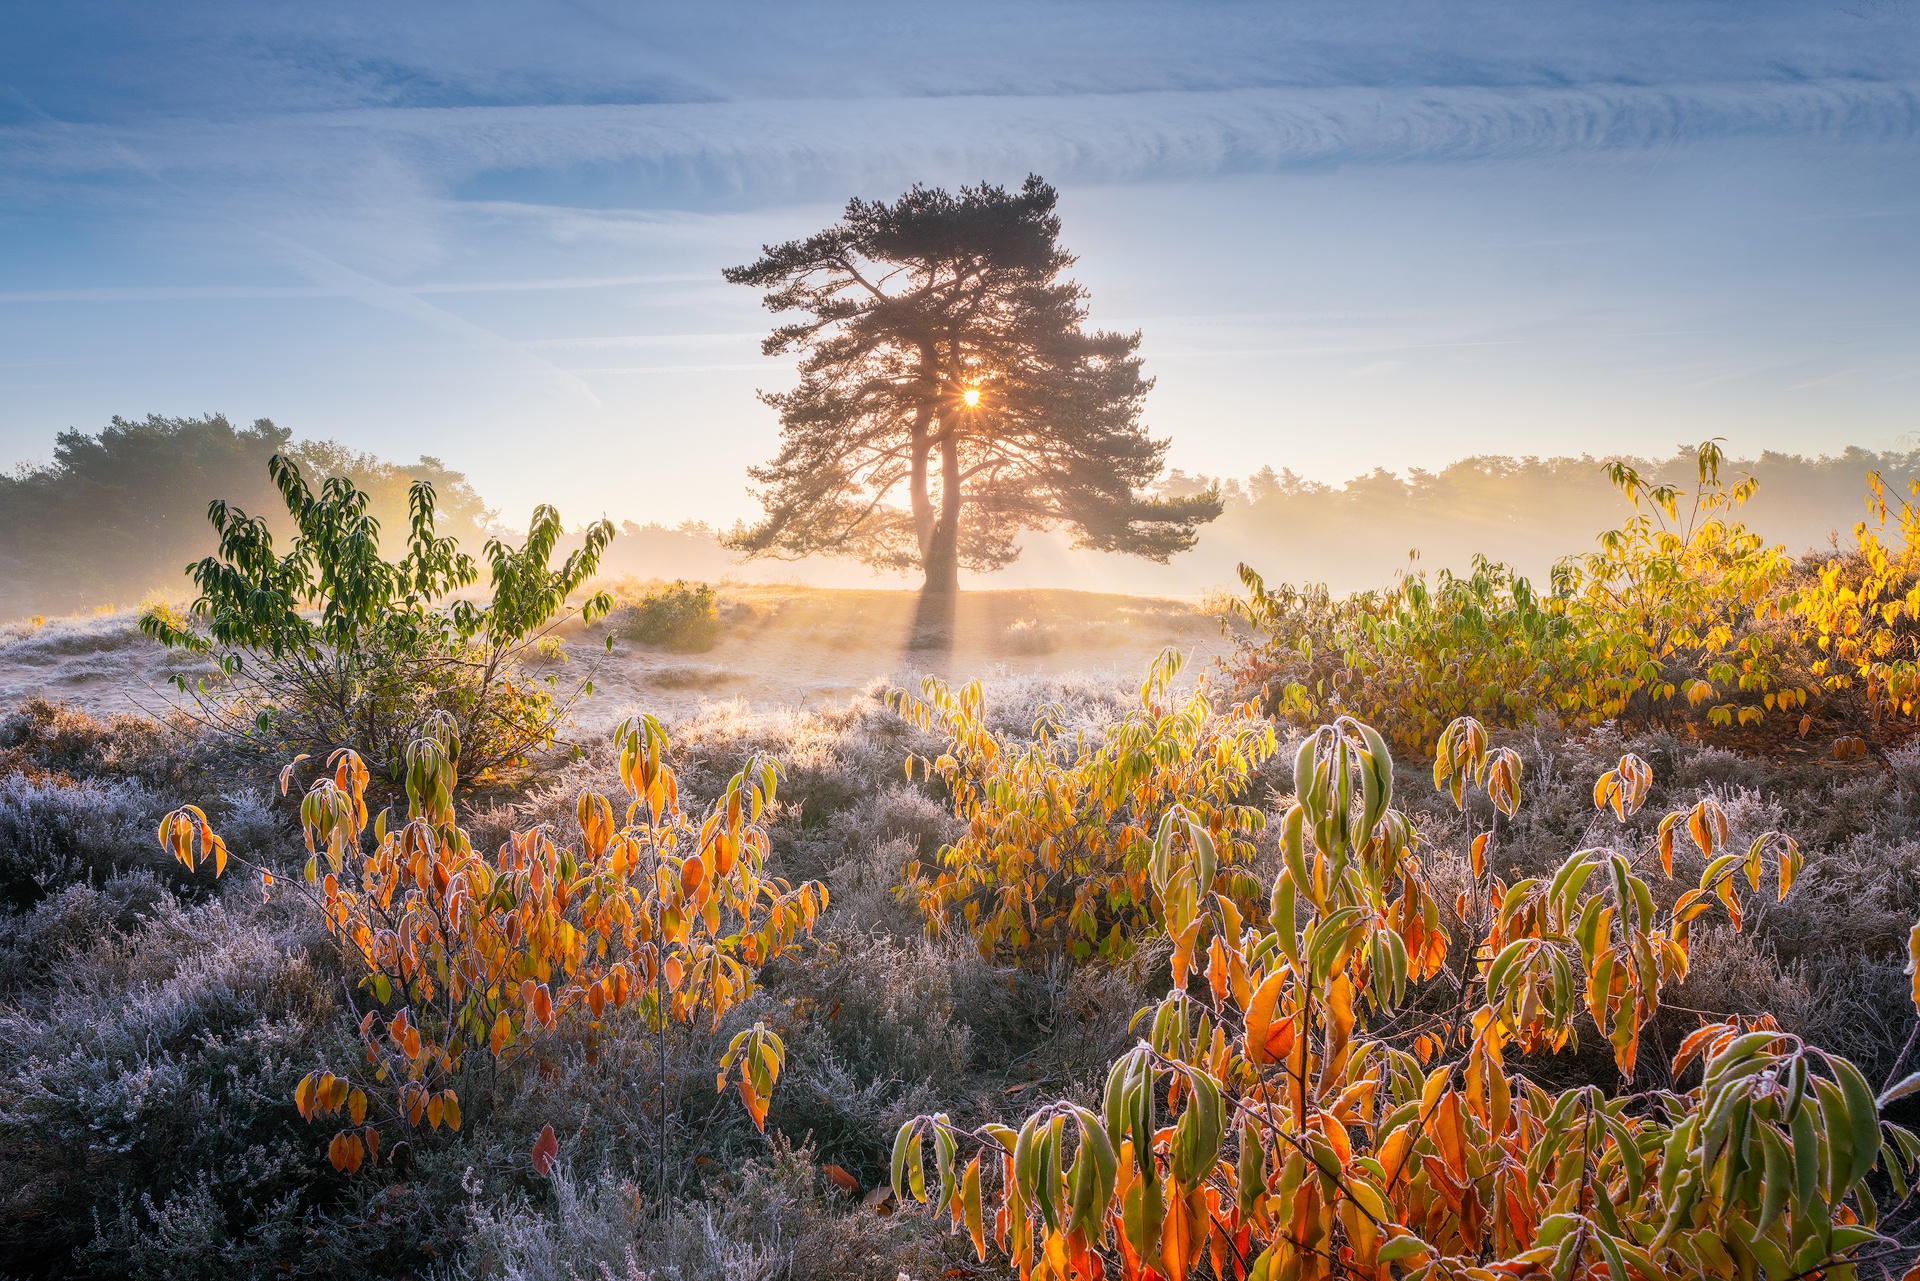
point(771, 152)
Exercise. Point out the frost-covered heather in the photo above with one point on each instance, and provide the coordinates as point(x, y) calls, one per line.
point(152, 1025)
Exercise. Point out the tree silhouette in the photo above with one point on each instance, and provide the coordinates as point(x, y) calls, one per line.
point(941, 353)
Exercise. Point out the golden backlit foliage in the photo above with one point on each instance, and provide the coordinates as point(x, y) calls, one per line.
point(1332, 1096)
point(460, 954)
point(1863, 615)
point(1057, 855)
point(1680, 612)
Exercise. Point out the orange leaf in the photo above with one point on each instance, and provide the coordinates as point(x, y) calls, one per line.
point(546, 1149)
point(1178, 1243)
point(842, 1178)
point(756, 1105)
point(1268, 1039)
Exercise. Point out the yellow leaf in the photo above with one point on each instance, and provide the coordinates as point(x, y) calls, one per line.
point(970, 1206)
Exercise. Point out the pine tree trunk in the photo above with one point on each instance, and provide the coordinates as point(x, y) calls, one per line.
point(942, 562)
point(942, 558)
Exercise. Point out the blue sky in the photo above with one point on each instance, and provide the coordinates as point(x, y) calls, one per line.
point(1354, 234)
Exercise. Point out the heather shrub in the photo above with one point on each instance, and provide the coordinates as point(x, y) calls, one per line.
point(153, 1068)
point(67, 924)
point(54, 834)
point(778, 1219)
point(41, 737)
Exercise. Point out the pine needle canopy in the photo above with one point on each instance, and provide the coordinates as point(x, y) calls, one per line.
point(945, 361)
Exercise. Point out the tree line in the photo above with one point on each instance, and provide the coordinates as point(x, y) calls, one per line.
point(121, 512)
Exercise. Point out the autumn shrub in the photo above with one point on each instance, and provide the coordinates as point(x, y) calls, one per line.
point(331, 645)
point(1289, 1119)
point(459, 954)
point(681, 616)
point(1055, 856)
point(1414, 656)
point(1680, 612)
point(1861, 614)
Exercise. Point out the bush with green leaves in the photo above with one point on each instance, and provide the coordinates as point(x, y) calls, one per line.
point(1678, 612)
point(330, 644)
point(682, 616)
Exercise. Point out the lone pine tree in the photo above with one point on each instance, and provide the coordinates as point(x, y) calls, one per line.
point(942, 352)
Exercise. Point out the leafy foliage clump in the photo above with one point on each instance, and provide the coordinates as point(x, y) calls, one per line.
point(1862, 616)
point(1307, 1115)
point(681, 616)
point(458, 954)
point(330, 644)
point(1671, 614)
point(1057, 854)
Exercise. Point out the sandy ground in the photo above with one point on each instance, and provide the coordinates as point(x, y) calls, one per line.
point(782, 648)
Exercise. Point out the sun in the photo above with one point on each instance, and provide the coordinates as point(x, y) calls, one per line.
point(972, 396)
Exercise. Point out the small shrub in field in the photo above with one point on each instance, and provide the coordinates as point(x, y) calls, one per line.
point(1298, 1112)
point(1412, 657)
point(682, 617)
point(330, 644)
point(1056, 856)
point(459, 955)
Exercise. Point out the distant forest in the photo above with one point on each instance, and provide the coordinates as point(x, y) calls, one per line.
point(121, 513)
point(1527, 512)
